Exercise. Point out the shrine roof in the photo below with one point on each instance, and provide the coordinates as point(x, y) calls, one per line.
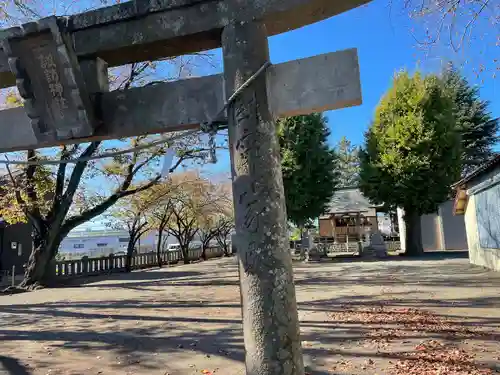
point(349, 200)
point(478, 172)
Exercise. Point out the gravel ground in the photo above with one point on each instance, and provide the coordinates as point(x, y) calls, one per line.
point(433, 316)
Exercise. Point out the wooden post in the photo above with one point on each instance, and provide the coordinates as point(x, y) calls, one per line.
point(358, 226)
point(85, 265)
point(269, 307)
point(111, 262)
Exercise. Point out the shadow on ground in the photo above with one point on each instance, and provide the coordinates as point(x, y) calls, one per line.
point(175, 312)
point(11, 366)
point(375, 276)
point(142, 277)
point(343, 339)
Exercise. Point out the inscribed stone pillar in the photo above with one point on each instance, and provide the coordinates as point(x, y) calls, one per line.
point(269, 308)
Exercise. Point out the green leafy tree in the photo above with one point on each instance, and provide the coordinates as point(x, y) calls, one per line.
point(308, 165)
point(478, 129)
point(411, 154)
point(347, 163)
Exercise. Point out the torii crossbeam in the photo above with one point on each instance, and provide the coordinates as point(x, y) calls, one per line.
point(60, 67)
point(314, 84)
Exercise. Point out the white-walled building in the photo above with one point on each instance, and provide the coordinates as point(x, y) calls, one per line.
point(478, 201)
point(440, 231)
point(103, 242)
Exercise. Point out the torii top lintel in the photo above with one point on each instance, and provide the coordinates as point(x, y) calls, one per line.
point(143, 30)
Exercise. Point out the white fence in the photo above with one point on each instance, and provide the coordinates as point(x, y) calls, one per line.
point(87, 266)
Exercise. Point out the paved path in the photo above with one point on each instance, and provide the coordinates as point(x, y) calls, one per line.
point(186, 319)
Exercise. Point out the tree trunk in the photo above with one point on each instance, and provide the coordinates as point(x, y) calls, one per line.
point(203, 251)
point(159, 247)
point(185, 254)
point(301, 230)
point(130, 254)
point(269, 307)
point(413, 241)
point(1, 249)
point(394, 223)
point(39, 271)
point(225, 248)
point(304, 247)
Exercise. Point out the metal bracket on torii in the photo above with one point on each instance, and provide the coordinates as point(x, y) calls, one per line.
point(132, 32)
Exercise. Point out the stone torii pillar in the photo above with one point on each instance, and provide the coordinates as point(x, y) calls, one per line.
point(59, 65)
point(269, 307)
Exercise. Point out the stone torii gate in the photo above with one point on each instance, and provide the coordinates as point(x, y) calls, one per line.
point(60, 67)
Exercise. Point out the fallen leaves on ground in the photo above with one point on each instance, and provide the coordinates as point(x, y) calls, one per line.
point(435, 358)
point(386, 326)
point(399, 323)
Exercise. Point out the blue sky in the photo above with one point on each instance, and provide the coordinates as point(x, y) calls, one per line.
point(385, 45)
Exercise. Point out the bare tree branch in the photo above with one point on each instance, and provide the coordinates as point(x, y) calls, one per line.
point(74, 221)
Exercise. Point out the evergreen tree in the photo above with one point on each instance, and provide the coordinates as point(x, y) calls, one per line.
point(478, 129)
point(348, 163)
point(308, 166)
point(411, 154)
